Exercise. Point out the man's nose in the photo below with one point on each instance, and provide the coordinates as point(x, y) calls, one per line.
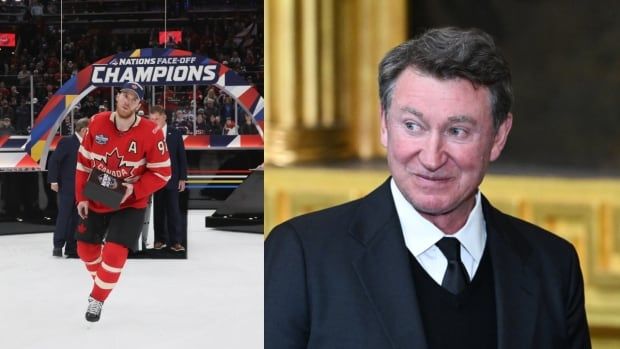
point(433, 156)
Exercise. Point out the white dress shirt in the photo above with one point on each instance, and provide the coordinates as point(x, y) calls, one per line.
point(421, 235)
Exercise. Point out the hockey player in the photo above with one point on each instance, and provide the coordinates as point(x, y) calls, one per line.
point(132, 149)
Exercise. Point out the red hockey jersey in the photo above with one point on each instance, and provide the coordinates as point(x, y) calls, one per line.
point(138, 156)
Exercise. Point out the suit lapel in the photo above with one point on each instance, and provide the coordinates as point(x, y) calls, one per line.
point(516, 286)
point(384, 270)
point(385, 274)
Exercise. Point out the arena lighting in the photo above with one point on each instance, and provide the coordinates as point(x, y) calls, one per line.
point(7, 39)
point(171, 36)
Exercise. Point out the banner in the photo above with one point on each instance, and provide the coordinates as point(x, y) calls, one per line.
point(148, 66)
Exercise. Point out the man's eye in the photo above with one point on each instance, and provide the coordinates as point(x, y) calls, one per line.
point(457, 132)
point(412, 126)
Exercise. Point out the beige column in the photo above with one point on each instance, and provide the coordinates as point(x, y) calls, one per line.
point(321, 67)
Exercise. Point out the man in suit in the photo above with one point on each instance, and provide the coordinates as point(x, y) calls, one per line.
point(425, 261)
point(61, 177)
point(168, 223)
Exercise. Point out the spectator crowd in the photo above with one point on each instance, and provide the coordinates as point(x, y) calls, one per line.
point(35, 69)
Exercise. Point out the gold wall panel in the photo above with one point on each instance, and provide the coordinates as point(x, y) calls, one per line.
point(322, 58)
point(586, 212)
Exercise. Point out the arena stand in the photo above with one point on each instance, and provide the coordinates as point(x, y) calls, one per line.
point(230, 32)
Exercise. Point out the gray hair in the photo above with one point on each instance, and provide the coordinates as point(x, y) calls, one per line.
point(450, 53)
point(81, 124)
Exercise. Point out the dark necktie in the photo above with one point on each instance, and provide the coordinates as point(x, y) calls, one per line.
point(456, 277)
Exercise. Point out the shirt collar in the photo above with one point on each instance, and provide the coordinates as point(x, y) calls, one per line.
point(420, 234)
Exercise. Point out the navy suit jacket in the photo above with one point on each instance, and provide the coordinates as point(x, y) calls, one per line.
point(341, 278)
point(62, 163)
point(178, 158)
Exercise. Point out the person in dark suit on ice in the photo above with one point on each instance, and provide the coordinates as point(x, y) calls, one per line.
point(168, 223)
point(61, 177)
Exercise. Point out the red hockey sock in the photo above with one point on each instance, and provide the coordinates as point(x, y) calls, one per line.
point(90, 254)
point(114, 257)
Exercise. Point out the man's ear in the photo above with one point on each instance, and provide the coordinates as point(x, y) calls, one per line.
point(384, 133)
point(501, 136)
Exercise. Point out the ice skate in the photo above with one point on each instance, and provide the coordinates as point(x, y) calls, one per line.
point(93, 312)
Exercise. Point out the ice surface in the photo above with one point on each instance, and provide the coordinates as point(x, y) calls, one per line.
point(214, 299)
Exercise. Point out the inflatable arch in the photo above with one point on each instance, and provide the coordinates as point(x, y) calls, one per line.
point(148, 66)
